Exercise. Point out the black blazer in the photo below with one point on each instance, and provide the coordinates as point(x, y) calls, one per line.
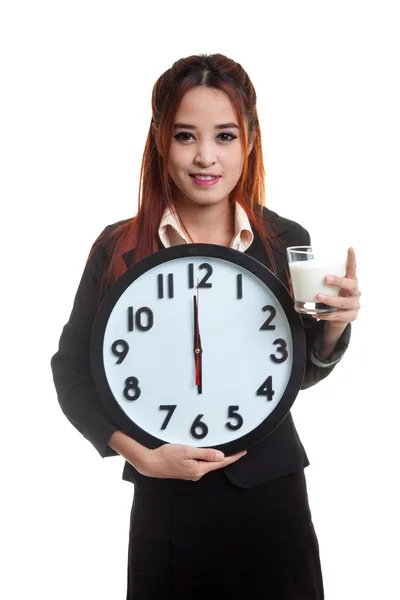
point(281, 453)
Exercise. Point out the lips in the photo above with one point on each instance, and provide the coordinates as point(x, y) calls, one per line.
point(204, 180)
point(198, 175)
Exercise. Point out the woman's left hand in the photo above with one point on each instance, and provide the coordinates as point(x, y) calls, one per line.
point(348, 301)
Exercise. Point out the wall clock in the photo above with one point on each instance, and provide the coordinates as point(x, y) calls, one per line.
point(198, 344)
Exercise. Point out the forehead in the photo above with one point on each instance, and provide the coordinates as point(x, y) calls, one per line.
point(203, 105)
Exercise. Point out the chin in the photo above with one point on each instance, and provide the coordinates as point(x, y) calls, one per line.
point(204, 197)
point(205, 201)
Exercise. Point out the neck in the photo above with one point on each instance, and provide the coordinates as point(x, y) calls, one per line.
point(208, 224)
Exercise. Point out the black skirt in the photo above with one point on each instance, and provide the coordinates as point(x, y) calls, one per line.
point(222, 541)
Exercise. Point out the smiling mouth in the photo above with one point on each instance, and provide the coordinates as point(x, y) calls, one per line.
point(205, 177)
point(205, 181)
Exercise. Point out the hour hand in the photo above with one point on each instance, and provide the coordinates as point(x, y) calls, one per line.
point(197, 346)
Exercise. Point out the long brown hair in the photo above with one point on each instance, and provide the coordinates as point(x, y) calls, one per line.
point(155, 189)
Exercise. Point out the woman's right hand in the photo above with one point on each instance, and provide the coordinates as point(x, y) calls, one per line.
point(177, 461)
point(170, 461)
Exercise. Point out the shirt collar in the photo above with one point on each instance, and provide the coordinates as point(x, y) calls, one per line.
point(171, 232)
point(279, 225)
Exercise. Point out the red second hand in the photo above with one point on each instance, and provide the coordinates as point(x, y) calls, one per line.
point(197, 336)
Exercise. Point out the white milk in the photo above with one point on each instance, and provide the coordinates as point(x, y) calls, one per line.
point(308, 278)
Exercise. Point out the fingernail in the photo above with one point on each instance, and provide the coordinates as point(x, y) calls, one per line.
point(330, 279)
point(321, 296)
point(219, 456)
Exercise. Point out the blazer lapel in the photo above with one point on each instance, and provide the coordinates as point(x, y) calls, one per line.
point(128, 257)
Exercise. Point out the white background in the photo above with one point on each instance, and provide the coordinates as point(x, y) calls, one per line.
point(76, 81)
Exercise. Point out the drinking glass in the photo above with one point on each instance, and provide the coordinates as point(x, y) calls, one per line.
point(308, 270)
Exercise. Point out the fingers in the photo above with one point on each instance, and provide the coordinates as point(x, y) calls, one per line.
point(340, 316)
point(348, 300)
point(351, 268)
point(231, 459)
point(206, 467)
point(347, 303)
point(204, 460)
point(349, 281)
point(178, 461)
point(208, 454)
point(344, 283)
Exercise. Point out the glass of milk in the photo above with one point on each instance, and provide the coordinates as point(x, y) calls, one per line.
point(308, 270)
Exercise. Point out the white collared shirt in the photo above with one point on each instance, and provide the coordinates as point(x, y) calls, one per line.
point(172, 234)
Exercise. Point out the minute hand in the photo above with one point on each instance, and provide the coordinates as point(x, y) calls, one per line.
point(197, 347)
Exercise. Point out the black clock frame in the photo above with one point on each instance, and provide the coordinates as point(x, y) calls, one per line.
point(204, 251)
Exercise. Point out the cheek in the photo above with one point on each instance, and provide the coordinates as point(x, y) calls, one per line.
point(177, 159)
point(236, 166)
point(236, 159)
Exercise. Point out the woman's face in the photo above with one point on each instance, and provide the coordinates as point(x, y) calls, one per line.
point(205, 141)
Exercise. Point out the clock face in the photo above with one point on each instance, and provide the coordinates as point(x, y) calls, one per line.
point(198, 345)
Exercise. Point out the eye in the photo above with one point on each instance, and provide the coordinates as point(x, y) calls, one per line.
point(230, 137)
point(181, 136)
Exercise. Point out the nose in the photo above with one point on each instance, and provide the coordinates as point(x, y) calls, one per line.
point(205, 154)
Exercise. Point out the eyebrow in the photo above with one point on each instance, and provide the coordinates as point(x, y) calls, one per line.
point(223, 126)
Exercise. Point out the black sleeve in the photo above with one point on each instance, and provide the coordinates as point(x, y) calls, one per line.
point(317, 368)
point(74, 384)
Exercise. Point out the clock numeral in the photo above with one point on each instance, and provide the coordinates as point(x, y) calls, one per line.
point(136, 319)
point(267, 325)
point(282, 348)
point(130, 318)
point(239, 283)
point(170, 408)
point(204, 282)
point(170, 285)
point(266, 389)
point(199, 424)
point(132, 390)
point(191, 275)
point(120, 348)
point(232, 414)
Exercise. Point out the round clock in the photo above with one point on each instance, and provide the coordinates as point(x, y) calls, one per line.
point(198, 344)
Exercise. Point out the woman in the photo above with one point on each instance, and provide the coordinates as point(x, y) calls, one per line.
point(204, 525)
